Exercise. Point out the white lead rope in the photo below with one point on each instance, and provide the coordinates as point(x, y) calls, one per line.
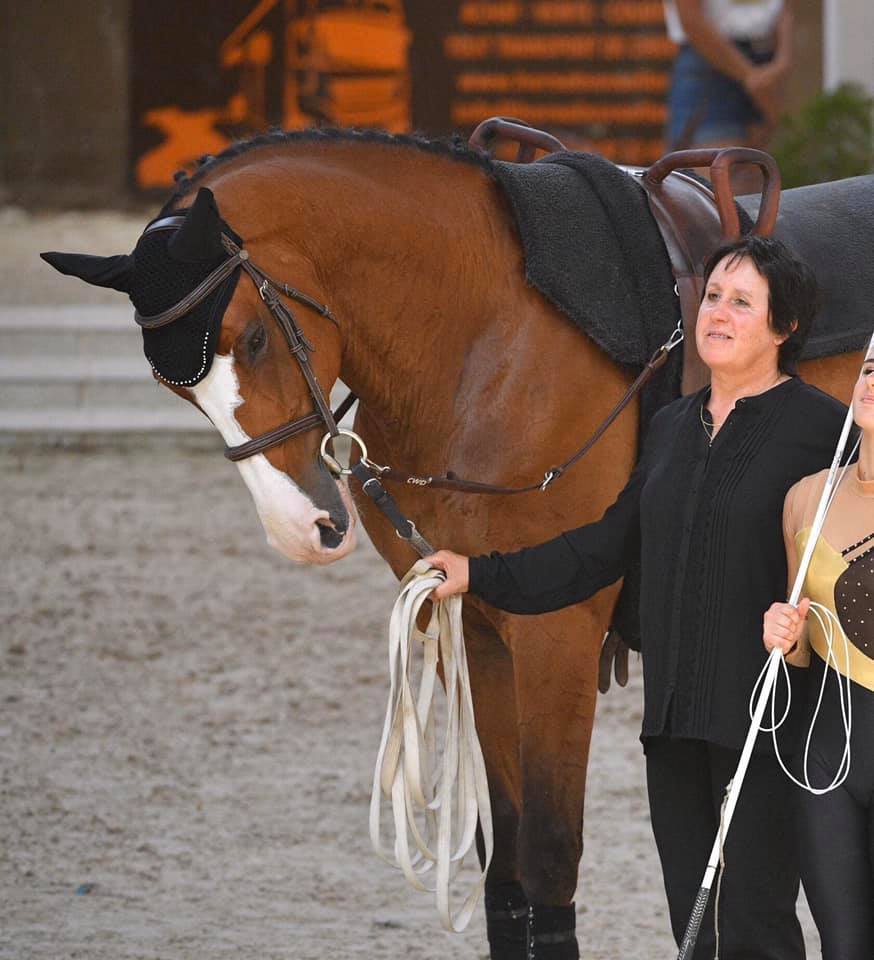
point(436, 803)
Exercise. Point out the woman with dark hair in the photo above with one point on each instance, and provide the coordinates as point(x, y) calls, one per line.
point(837, 827)
point(701, 512)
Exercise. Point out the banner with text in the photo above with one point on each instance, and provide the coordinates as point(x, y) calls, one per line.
point(594, 73)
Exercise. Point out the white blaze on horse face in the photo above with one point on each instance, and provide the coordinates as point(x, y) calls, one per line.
point(288, 515)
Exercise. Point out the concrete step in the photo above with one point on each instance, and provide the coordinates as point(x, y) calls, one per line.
point(69, 331)
point(34, 382)
point(79, 370)
point(47, 369)
point(83, 394)
point(59, 421)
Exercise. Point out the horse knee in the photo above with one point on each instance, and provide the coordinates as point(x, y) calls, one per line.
point(505, 828)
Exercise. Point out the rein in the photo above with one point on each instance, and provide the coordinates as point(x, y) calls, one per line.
point(367, 472)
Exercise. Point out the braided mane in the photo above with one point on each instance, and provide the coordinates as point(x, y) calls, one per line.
point(454, 147)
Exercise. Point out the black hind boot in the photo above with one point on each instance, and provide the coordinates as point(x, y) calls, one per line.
point(551, 933)
point(507, 921)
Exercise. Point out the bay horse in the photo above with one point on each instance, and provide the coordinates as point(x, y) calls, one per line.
point(459, 365)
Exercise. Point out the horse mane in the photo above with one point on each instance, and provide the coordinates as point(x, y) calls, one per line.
point(454, 147)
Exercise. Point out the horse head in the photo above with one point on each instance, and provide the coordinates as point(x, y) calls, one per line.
point(224, 346)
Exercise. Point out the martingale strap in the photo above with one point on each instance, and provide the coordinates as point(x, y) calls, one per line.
point(450, 481)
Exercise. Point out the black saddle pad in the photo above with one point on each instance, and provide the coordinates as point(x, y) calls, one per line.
point(593, 249)
point(831, 227)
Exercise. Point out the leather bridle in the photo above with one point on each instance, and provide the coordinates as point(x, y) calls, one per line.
point(367, 472)
point(298, 344)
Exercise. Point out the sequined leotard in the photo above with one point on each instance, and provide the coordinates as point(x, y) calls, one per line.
point(837, 829)
point(841, 573)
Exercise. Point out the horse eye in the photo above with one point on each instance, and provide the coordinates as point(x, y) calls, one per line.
point(256, 340)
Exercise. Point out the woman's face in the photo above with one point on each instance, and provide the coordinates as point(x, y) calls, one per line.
point(733, 333)
point(863, 397)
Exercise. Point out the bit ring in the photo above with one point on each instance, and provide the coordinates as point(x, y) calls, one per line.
point(334, 465)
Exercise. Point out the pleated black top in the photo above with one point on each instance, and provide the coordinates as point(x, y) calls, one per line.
point(706, 522)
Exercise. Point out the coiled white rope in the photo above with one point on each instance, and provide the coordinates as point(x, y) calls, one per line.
point(436, 802)
point(830, 625)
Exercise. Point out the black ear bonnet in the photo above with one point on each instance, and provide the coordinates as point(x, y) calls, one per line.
point(168, 265)
point(169, 262)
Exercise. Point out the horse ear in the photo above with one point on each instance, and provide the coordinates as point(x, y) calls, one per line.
point(200, 236)
point(115, 272)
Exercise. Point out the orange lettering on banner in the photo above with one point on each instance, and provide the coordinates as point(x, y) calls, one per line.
point(482, 13)
point(594, 72)
point(563, 11)
point(634, 12)
point(574, 81)
point(546, 46)
point(463, 46)
point(559, 46)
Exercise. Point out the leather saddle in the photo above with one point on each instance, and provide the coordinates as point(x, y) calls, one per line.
point(693, 217)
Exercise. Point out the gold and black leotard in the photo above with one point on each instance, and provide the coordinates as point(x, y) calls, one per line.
point(841, 572)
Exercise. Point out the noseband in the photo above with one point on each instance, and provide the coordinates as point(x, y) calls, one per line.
point(300, 347)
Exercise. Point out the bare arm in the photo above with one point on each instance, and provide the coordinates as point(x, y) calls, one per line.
point(785, 49)
point(785, 626)
point(765, 83)
point(717, 50)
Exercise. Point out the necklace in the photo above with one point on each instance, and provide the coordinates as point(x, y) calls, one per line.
point(712, 427)
point(708, 428)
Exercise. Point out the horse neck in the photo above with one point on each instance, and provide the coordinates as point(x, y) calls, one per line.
point(416, 257)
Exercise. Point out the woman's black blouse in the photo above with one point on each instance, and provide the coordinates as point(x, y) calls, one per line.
point(706, 522)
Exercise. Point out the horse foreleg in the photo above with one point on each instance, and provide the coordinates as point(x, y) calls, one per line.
point(492, 686)
point(555, 661)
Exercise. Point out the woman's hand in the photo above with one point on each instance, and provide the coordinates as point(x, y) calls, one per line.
point(766, 86)
point(784, 624)
point(456, 568)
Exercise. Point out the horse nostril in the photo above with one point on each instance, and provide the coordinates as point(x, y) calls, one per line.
point(331, 533)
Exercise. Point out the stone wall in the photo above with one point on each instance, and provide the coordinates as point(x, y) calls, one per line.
point(64, 109)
